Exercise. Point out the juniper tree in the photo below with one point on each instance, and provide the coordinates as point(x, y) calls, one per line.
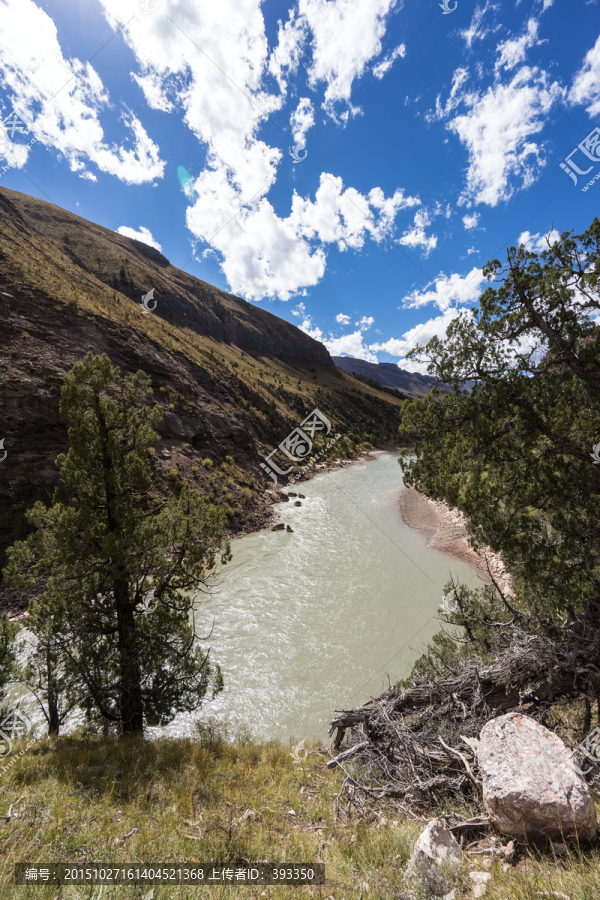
point(114, 569)
point(516, 455)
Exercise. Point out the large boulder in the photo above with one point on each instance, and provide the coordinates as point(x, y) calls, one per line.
point(530, 789)
point(437, 844)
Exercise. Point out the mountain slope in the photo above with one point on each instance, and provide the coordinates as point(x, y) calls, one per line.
point(389, 375)
point(232, 379)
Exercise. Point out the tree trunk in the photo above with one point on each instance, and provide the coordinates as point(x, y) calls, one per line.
point(132, 714)
point(53, 716)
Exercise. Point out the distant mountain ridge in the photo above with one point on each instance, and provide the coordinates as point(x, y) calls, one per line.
point(390, 375)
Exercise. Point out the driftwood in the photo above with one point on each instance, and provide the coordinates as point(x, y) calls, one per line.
point(417, 745)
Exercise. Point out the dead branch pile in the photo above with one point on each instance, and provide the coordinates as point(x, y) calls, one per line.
point(414, 746)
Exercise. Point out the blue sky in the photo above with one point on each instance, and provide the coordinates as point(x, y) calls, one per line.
point(426, 141)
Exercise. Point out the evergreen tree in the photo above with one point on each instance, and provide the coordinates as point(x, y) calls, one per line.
point(516, 454)
point(115, 570)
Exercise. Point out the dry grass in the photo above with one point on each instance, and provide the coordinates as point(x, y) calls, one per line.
point(186, 798)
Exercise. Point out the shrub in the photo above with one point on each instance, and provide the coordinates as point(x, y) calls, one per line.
point(207, 463)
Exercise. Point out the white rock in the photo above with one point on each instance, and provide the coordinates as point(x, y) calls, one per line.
point(480, 877)
point(437, 843)
point(529, 787)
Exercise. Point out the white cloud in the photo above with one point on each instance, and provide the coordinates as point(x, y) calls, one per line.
point(447, 290)
point(419, 335)
point(263, 254)
point(223, 111)
point(153, 91)
point(365, 323)
point(497, 130)
point(143, 235)
point(535, 243)
point(386, 64)
point(345, 36)
point(512, 52)
point(302, 119)
point(586, 83)
point(471, 221)
point(351, 345)
point(62, 98)
point(416, 237)
point(269, 256)
point(460, 77)
point(285, 58)
point(475, 30)
point(342, 319)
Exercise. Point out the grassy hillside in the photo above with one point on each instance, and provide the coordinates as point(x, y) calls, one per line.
point(232, 379)
point(83, 800)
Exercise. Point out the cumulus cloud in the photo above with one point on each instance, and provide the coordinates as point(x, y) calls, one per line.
point(262, 254)
point(416, 237)
point(345, 36)
point(350, 345)
point(268, 256)
point(302, 119)
point(448, 290)
point(535, 243)
point(586, 83)
point(513, 51)
point(285, 58)
point(62, 99)
point(346, 345)
point(417, 336)
point(365, 323)
point(471, 221)
point(497, 131)
point(143, 235)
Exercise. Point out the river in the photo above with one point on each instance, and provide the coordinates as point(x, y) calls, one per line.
point(313, 621)
point(308, 622)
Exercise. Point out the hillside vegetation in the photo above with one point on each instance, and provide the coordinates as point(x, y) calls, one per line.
point(232, 379)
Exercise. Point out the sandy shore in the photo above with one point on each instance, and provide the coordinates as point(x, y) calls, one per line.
point(446, 530)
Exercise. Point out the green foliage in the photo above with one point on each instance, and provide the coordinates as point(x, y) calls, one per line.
point(515, 454)
point(106, 542)
point(207, 463)
point(467, 633)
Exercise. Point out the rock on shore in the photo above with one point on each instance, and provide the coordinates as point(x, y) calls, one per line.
point(530, 789)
